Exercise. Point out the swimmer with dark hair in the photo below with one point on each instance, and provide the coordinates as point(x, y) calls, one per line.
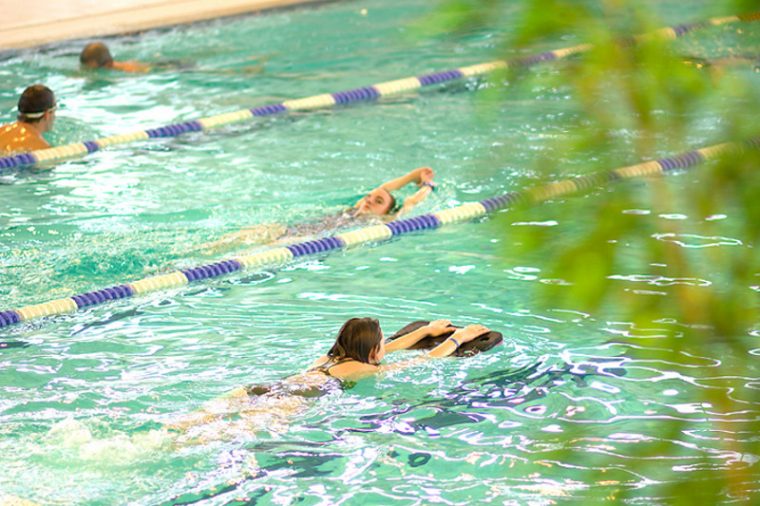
point(96, 55)
point(36, 115)
point(357, 353)
point(360, 347)
point(378, 204)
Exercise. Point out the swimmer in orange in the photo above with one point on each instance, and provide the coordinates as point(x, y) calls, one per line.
point(96, 55)
point(36, 115)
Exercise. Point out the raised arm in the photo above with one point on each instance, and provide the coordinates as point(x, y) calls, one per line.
point(434, 328)
point(419, 176)
point(425, 182)
point(415, 199)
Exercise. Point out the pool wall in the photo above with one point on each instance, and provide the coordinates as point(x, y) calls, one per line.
point(29, 24)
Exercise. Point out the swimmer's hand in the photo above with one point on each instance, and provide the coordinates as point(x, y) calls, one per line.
point(426, 176)
point(438, 327)
point(434, 328)
point(469, 333)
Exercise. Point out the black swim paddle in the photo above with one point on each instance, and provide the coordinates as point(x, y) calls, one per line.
point(481, 343)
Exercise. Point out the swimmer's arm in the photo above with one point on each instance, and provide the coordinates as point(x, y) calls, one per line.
point(444, 349)
point(357, 371)
point(418, 175)
point(434, 328)
point(415, 199)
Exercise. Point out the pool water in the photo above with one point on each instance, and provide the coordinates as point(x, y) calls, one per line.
point(558, 412)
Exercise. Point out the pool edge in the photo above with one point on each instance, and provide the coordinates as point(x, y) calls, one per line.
point(137, 18)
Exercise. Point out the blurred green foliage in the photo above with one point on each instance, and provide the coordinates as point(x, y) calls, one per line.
point(652, 99)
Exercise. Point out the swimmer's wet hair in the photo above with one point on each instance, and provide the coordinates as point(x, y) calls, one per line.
point(34, 102)
point(356, 340)
point(96, 55)
point(395, 205)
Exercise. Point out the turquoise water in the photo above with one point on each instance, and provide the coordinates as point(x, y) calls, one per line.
point(80, 399)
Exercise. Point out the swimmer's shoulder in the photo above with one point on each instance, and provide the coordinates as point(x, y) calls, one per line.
point(352, 370)
point(15, 138)
point(346, 370)
point(132, 67)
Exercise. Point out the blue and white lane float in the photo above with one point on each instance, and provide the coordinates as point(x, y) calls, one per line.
point(373, 234)
point(363, 94)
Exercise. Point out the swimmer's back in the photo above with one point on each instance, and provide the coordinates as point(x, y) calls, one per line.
point(313, 383)
point(343, 369)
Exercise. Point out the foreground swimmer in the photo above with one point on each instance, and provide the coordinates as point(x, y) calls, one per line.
point(357, 353)
point(360, 347)
point(36, 115)
point(379, 203)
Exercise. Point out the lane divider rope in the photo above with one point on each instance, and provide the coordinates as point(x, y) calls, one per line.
point(327, 100)
point(279, 256)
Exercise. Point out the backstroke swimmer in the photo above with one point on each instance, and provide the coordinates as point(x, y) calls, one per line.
point(378, 204)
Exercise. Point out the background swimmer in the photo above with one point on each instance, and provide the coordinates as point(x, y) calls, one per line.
point(717, 67)
point(96, 55)
point(377, 204)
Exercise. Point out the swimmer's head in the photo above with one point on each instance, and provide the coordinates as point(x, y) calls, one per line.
point(95, 55)
point(359, 339)
point(37, 105)
point(379, 201)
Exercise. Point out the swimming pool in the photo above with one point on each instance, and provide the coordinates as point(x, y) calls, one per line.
point(79, 400)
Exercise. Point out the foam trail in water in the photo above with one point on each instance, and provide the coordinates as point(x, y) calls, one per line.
point(115, 449)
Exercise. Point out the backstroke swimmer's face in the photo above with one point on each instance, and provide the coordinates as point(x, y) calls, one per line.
point(378, 201)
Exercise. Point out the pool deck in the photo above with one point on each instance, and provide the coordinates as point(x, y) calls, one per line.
point(31, 23)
